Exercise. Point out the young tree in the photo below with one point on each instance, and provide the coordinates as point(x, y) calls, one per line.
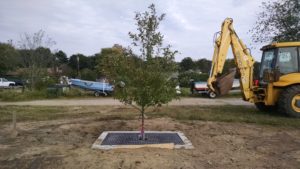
point(143, 80)
point(278, 21)
point(36, 55)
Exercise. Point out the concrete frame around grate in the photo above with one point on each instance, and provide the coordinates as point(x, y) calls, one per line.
point(187, 143)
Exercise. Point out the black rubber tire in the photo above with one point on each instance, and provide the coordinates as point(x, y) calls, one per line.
point(262, 107)
point(194, 91)
point(212, 95)
point(285, 99)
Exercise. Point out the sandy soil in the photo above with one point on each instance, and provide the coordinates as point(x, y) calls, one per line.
point(67, 144)
point(112, 102)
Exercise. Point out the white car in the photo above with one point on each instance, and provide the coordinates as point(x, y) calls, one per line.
point(5, 83)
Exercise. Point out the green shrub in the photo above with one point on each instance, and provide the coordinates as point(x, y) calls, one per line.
point(185, 91)
point(44, 83)
point(53, 92)
point(75, 92)
point(50, 92)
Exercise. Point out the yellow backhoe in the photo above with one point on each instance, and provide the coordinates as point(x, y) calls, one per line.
point(278, 83)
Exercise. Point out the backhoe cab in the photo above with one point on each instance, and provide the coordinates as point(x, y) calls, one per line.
point(278, 86)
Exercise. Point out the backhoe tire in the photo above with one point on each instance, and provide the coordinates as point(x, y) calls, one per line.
point(286, 99)
point(262, 107)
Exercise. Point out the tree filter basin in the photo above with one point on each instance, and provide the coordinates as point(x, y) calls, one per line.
point(131, 139)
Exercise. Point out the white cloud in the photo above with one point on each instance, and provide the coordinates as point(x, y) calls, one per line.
point(80, 26)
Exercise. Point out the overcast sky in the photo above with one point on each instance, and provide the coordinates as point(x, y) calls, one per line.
point(86, 26)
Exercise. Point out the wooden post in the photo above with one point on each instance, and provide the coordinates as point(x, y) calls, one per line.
point(14, 123)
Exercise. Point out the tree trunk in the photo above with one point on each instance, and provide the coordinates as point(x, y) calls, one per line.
point(142, 134)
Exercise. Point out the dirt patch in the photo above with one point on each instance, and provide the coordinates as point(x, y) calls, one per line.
point(67, 144)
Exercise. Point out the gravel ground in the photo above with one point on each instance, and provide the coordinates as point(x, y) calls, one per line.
point(113, 102)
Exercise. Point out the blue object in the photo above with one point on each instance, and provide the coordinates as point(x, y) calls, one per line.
point(94, 86)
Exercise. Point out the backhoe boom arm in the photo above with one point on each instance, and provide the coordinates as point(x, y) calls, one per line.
point(242, 57)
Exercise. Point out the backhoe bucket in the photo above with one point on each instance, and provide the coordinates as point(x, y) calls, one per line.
point(224, 83)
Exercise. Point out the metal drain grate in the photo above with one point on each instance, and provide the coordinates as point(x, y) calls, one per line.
point(133, 139)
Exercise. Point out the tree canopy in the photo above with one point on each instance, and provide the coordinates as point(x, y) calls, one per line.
point(105, 60)
point(36, 55)
point(61, 57)
point(187, 64)
point(8, 58)
point(84, 61)
point(278, 21)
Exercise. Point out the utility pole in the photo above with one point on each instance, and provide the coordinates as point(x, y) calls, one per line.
point(78, 75)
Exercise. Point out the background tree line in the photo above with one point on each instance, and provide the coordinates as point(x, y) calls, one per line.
point(36, 64)
point(56, 64)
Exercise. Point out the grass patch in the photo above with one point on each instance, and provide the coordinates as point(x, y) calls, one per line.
point(18, 95)
point(185, 91)
point(230, 113)
point(43, 113)
point(30, 113)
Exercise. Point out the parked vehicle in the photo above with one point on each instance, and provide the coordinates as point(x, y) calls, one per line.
point(99, 88)
point(5, 83)
point(178, 90)
point(18, 81)
point(201, 88)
